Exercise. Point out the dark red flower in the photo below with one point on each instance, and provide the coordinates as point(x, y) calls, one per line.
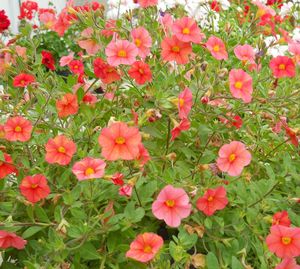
point(215, 6)
point(4, 21)
point(48, 60)
point(27, 10)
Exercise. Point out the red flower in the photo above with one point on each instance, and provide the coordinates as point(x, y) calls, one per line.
point(4, 21)
point(67, 105)
point(34, 188)
point(6, 166)
point(215, 6)
point(140, 72)
point(212, 200)
point(8, 239)
point(117, 179)
point(18, 129)
point(281, 218)
point(76, 67)
point(107, 73)
point(48, 60)
point(282, 66)
point(23, 80)
point(26, 10)
point(182, 126)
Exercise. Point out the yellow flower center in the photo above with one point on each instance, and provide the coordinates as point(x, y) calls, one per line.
point(18, 129)
point(282, 66)
point(138, 42)
point(141, 71)
point(216, 48)
point(175, 49)
point(75, 66)
point(286, 240)
point(181, 102)
point(89, 171)
point(34, 186)
point(210, 199)
point(170, 203)
point(22, 82)
point(120, 140)
point(147, 249)
point(238, 84)
point(61, 150)
point(122, 53)
point(232, 157)
point(186, 31)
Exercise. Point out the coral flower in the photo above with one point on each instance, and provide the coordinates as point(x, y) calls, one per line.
point(284, 241)
point(145, 247)
point(6, 166)
point(48, 60)
point(65, 60)
point(67, 105)
point(282, 66)
point(118, 141)
point(185, 102)
point(187, 30)
point(143, 41)
point(107, 73)
point(171, 205)
point(143, 156)
point(294, 48)
point(140, 72)
point(17, 129)
point(60, 150)
point(90, 46)
point(147, 3)
point(76, 67)
point(121, 52)
point(240, 85)
point(288, 264)
point(34, 188)
point(125, 190)
point(23, 80)
point(89, 168)
point(244, 53)
point(182, 126)
point(175, 50)
point(281, 218)
point(212, 200)
point(8, 239)
point(233, 157)
point(217, 48)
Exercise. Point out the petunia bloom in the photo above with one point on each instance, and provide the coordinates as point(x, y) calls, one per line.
point(67, 105)
point(175, 50)
point(171, 205)
point(217, 48)
point(48, 60)
point(17, 129)
point(245, 53)
point(118, 141)
point(185, 102)
point(4, 21)
point(182, 126)
point(288, 264)
point(60, 150)
point(187, 30)
point(147, 3)
point(65, 60)
point(89, 168)
point(145, 247)
point(282, 66)
point(143, 156)
point(212, 200)
point(233, 157)
point(140, 72)
point(8, 239)
point(34, 188)
point(6, 166)
point(126, 190)
point(281, 218)
point(22, 80)
point(76, 67)
point(284, 241)
point(107, 73)
point(142, 40)
point(121, 52)
point(294, 48)
point(240, 84)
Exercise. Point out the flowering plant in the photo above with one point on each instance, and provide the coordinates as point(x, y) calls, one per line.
point(158, 134)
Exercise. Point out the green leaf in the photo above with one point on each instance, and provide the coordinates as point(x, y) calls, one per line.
point(212, 261)
point(235, 263)
point(31, 231)
point(89, 252)
point(2, 156)
point(41, 214)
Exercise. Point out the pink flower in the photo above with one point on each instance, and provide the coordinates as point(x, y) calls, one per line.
point(244, 53)
point(143, 156)
point(187, 30)
point(117, 179)
point(185, 102)
point(294, 48)
point(240, 85)
point(182, 126)
point(282, 66)
point(217, 48)
point(65, 60)
point(118, 141)
point(121, 52)
point(143, 41)
point(147, 3)
point(171, 205)
point(125, 190)
point(89, 168)
point(288, 264)
point(91, 46)
point(18, 129)
point(233, 157)
point(145, 247)
point(8, 239)
point(284, 241)
point(281, 218)
point(212, 200)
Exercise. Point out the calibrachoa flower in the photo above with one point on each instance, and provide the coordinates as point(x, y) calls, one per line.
point(4, 21)
point(118, 141)
point(171, 205)
point(89, 168)
point(212, 200)
point(281, 218)
point(244, 53)
point(282, 66)
point(145, 247)
point(60, 150)
point(182, 126)
point(6, 166)
point(17, 129)
point(117, 179)
point(240, 85)
point(147, 3)
point(175, 50)
point(185, 102)
point(27, 9)
point(67, 105)
point(217, 48)
point(140, 72)
point(23, 80)
point(76, 67)
point(143, 156)
point(107, 73)
point(48, 60)
point(65, 60)
point(34, 188)
point(187, 30)
point(142, 40)
point(126, 190)
point(121, 52)
point(294, 48)
point(233, 157)
point(8, 240)
point(288, 264)
point(284, 241)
